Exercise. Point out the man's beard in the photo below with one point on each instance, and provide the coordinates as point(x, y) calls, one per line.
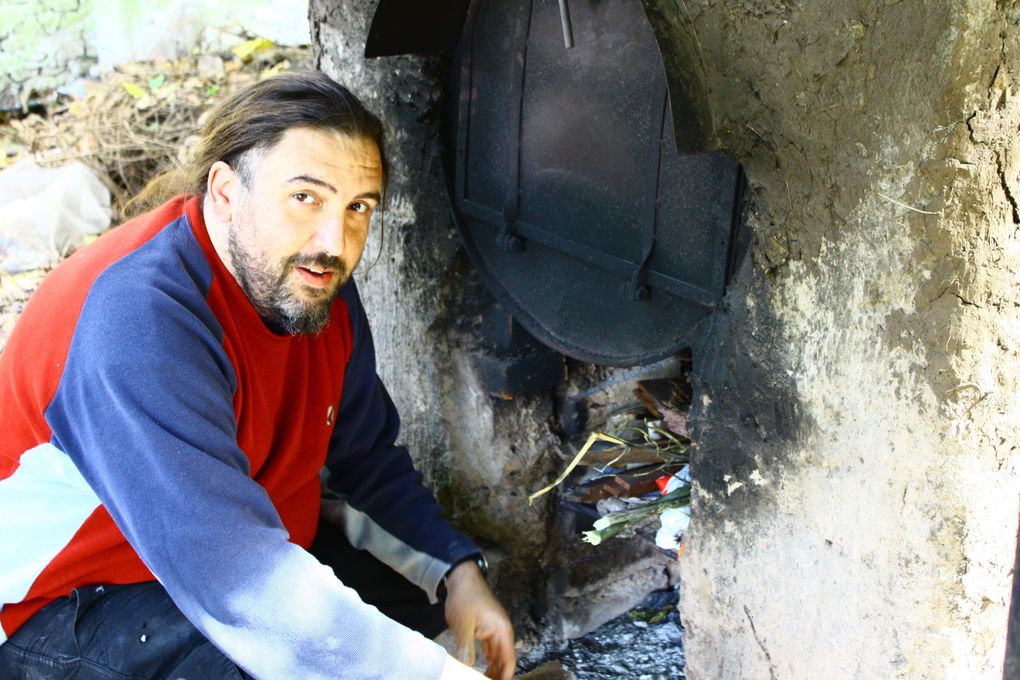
point(272, 296)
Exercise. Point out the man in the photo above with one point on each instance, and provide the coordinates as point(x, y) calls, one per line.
point(167, 403)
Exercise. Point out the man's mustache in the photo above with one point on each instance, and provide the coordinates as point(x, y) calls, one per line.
point(319, 261)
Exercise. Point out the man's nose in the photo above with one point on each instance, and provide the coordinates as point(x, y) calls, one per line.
point(329, 237)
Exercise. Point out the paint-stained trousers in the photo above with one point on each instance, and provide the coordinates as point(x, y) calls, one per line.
point(102, 632)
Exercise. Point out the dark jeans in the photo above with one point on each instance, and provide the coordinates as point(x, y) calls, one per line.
point(135, 631)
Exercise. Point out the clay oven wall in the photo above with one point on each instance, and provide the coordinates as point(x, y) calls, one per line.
point(856, 503)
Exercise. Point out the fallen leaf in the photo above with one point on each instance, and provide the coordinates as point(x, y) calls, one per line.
point(250, 47)
point(134, 90)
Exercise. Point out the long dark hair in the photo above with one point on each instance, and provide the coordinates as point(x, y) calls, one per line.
point(256, 118)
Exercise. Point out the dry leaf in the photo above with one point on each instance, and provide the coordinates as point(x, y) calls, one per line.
point(249, 47)
point(134, 90)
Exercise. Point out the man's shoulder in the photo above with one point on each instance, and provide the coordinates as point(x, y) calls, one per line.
point(102, 307)
point(150, 252)
point(137, 273)
point(136, 254)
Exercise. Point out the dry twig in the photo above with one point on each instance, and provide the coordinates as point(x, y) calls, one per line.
point(141, 119)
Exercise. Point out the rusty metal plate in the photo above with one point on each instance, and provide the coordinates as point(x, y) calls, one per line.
point(582, 218)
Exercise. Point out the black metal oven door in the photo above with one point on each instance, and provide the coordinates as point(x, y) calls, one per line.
point(583, 219)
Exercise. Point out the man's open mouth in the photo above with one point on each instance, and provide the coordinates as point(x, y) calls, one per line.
point(316, 276)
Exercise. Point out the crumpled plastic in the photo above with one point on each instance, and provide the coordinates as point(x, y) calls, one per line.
point(670, 483)
point(46, 212)
point(674, 523)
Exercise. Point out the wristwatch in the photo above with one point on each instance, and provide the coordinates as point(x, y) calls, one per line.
point(477, 558)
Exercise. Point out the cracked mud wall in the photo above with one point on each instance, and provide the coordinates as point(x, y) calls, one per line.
point(857, 486)
point(855, 511)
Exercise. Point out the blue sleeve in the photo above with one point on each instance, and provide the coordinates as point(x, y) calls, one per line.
point(144, 409)
point(378, 499)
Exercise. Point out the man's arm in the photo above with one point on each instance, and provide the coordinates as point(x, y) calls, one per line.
point(144, 410)
point(383, 507)
point(379, 501)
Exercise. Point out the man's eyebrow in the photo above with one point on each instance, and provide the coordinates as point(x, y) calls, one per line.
point(318, 182)
point(375, 195)
point(312, 180)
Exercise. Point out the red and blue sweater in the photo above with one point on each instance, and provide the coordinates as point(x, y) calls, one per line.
point(152, 427)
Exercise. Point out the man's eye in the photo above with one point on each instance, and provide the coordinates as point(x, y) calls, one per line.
point(304, 198)
point(360, 207)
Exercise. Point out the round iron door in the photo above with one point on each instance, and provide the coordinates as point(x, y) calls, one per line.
point(581, 216)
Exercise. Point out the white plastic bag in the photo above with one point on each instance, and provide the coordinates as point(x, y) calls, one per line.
point(45, 212)
point(674, 523)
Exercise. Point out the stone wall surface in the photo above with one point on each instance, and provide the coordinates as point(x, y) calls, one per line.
point(855, 509)
point(43, 45)
point(51, 43)
point(133, 30)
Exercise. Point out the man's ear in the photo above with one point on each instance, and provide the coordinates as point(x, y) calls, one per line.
point(221, 188)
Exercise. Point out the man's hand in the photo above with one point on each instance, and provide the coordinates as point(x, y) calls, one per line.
point(473, 613)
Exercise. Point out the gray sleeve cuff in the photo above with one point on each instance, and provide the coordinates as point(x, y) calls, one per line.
point(364, 533)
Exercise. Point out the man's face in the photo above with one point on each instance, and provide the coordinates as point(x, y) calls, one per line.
point(300, 228)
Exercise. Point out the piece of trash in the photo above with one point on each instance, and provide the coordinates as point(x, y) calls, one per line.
point(670, 483)
point(157, 82)
point(674, 523)
point(667, 484)
point(655, 430)
point(608, 506)
point(48, 212)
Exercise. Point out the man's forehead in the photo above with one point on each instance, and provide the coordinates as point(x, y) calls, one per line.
point(326, 149)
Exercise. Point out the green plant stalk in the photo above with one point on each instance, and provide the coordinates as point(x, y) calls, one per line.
point(611, 525)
